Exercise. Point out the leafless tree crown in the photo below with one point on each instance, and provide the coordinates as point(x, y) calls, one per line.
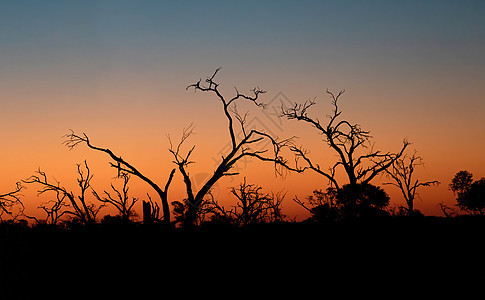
point(124, 167)
point(346, 139)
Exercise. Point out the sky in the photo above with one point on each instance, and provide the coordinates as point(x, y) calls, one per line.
point(117, 70)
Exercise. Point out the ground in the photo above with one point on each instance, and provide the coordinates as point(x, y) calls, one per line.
point(393, 251)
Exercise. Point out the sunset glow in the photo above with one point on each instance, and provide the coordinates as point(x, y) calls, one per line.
point(118, 71)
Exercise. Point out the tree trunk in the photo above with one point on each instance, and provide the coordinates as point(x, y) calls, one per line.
point(147, 213)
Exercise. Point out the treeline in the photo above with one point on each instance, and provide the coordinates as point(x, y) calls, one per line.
point(354, 197)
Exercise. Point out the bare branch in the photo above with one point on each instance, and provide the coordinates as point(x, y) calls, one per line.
point(240, 146)
point(346, 139)
point(401, 172)
point(72, 140)
point(10, 199)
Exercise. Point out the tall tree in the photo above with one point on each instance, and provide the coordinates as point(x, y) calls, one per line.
point(242, 145)
point(402, 172)
point(122, 166)
point(355, 151)
point(121, 201)
point(470, 195)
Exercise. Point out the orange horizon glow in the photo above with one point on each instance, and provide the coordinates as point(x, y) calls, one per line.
point(413, 70)
point(146, 148)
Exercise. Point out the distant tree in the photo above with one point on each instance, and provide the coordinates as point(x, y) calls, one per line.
point(122, 166)
point(241, 145)
point(470, 195)
point(252, 206)
point(151, 211)
point(54, 209)
point(350, 201)
point(353, 146)
point(121, 201)
point(322, 205)
point(449, 212)
point(401, 172)
point(80, 209)
point(9, 200)
point(461, 183)
point(362, 200)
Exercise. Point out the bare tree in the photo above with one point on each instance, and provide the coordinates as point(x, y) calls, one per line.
point(347, 140)
point(82, 210)
point(253, 206)
point(241, 145)
point(9, 200)
point(401, 172)
point(121, 165)
point(54, 209)
point(121, 201)
point(151, 211)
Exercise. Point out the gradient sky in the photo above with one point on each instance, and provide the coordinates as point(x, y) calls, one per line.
point(117, 70)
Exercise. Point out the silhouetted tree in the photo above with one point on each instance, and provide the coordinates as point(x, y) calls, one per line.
point(449, 212)
point(121, 201)
point(401, 173)
point(151, 211)
point(9, 200)
point(323, 205)
point(80, 209)
point(470, 195)
point(362, 200)
point(54, 209)
point(72, 140)
point(346, 140)
point(241, 146)
point(252, 207)
point(350, 201)
point(461, 183)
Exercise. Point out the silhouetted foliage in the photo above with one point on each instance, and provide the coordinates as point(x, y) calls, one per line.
point(362, 200)
point(401, 173)
point(470, 195)
point(323, 205)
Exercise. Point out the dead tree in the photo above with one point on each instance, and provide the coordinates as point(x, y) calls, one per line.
point(151, 211)
point(347, 140)
point(54, 209)
point(80, 209)
point(121, 165)
point(401, 172)
point(241, 145)
point(121, 201)
point(254, 207)
point(9, 200)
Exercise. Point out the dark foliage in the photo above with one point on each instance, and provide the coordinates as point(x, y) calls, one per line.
point(470, 195)
point(362, 200)
point(128, 259)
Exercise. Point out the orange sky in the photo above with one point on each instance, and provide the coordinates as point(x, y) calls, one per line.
point(119, 74)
